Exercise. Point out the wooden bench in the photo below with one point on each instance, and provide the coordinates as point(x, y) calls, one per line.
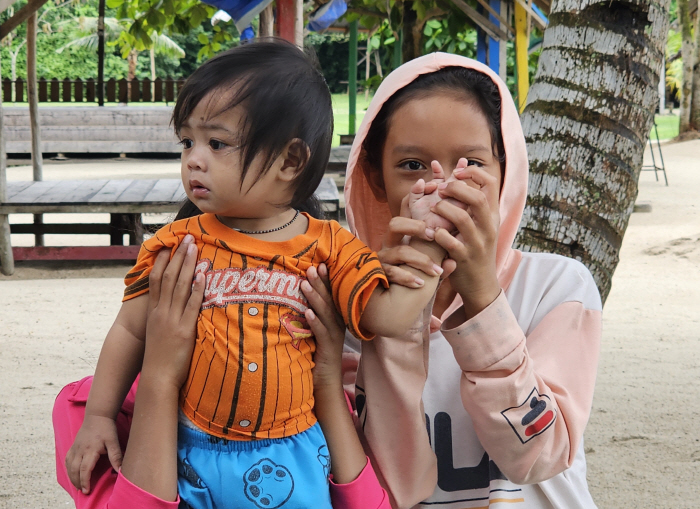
point(125, 200)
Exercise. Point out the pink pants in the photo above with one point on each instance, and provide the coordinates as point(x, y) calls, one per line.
point(108, 488)
point(111, 490)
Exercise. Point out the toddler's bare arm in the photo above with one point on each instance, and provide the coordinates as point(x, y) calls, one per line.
point(119, 363)
point(391, 312)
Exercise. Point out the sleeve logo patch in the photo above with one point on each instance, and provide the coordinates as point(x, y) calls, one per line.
point(532, 417)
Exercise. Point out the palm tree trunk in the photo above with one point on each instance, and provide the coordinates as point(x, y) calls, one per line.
point(695, 103)
point(687, 56)
point(131, 73)
point(587, 122)
point(153, 73)
point(267, 21)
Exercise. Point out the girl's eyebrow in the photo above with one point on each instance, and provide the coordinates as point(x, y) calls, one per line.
point(400, 149)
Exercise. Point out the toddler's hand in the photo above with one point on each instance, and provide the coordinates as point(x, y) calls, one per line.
point(97, 436)
point(424, 196)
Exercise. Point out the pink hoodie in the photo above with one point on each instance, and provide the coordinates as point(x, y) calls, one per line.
point(506, 396)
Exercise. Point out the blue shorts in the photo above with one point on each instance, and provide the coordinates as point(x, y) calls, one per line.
point(291, 473)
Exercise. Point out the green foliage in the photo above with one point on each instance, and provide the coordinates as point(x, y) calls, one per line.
point(447, 35)
point(147, 18)
point(332, 51)
point(62, 22)
point(54, 33)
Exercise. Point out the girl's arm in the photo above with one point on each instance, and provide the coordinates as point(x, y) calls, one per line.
point(354, 484)
point(150, 461)
point(149, 475)
point(528, 397)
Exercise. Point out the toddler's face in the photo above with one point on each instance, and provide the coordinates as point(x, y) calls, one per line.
point(437, 128)
point(211, 164)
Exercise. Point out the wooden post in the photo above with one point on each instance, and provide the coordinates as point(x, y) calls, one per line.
point(267, 22)
point(290, 21)
point(37, 159)
point(521, 47)
point(7, 262)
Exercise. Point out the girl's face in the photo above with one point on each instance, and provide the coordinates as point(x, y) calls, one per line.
point(211, 165)
point(441, 127)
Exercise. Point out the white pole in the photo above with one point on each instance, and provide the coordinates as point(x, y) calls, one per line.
point(662, 85)
point(7, 262)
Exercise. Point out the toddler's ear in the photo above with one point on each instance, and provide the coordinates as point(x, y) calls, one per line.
point(294, 158)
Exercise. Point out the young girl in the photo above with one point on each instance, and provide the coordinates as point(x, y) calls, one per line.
point(490, 406)
point(148, 477)
point(255, 124)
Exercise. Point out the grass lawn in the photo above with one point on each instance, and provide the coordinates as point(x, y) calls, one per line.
point(341, 116)
point(667, 125)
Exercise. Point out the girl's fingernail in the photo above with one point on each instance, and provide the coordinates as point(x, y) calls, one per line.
point(443, 185)
point(437, 269)
point(310, 315)
point(430, 233)
point(418, 281)
point(191, 249)
point(306, 286)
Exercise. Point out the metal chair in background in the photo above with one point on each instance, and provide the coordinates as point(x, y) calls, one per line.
point(653, 166)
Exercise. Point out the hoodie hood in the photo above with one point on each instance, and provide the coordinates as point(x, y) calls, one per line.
point(368, 218)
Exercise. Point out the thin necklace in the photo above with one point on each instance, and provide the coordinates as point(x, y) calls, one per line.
point(260, 232)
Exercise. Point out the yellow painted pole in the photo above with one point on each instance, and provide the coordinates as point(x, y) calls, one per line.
point(521, 47)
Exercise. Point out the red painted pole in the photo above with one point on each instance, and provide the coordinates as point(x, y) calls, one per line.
point(285, 19)
point(289, 20)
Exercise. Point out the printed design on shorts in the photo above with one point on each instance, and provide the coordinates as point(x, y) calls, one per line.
point(245, 285)
point(267, 484)
point(324, 458)
point(186, 472)
point(532, 417)
point(297, 326)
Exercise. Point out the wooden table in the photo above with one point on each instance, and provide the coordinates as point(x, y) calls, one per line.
point(125, 200)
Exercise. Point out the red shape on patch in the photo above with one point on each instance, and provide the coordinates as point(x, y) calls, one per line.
point(540, 424)
point(297, 327)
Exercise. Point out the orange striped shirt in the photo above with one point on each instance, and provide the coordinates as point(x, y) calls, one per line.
point(250, 376)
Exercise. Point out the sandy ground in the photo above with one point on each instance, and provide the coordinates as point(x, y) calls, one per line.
point(643, 441)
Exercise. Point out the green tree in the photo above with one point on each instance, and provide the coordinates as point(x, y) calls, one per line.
point(86, 31)
point(147, 19)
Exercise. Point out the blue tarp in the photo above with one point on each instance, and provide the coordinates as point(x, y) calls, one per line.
point(242, 11)
point(326, 15)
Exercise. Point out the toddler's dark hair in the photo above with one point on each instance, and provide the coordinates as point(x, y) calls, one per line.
point(471, 84)
point(284, 97)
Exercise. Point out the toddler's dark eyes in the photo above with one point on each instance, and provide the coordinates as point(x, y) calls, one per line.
point(216, 144)
point(471, 162)
point(186, 143)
